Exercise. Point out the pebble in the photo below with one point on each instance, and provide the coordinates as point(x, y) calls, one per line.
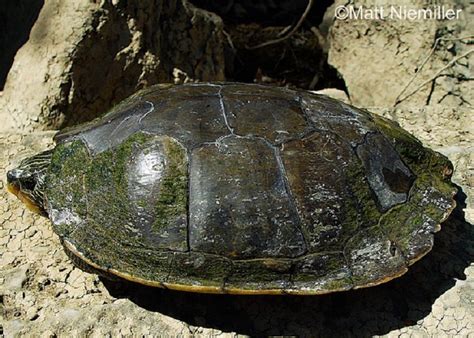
point(32, 313)
point(15, 278)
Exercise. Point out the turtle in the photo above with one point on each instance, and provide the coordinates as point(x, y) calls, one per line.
point(242, 189)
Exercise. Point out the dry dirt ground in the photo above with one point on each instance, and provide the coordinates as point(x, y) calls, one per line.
point(42, 293)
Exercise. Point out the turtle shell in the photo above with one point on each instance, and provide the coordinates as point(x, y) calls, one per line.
point(239, 188)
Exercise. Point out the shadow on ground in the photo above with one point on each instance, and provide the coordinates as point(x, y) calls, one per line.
point(366, 312)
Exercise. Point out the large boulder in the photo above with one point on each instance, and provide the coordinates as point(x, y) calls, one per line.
point(84, 56)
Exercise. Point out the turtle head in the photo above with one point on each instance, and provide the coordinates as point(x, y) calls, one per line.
point(27, 181)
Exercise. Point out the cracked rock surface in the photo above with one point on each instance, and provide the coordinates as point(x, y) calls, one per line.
point(43, 293)
point(413, 51)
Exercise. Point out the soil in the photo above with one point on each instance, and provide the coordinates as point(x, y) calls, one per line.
point(57, 78)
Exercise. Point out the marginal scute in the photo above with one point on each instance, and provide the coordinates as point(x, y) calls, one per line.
point(266, 274)
point(322, 271)
point(198, 268)
point(239, 206)
point(373, 258)
point(137, 262)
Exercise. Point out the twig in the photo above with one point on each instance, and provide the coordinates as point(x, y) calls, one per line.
point(449, 64)
point(321, 39)
point(398, 100)
point(290, 33)
point(229, 40)
point(314, 81)
point(284, 31)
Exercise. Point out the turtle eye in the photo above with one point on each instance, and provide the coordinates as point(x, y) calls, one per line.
point(27, 183)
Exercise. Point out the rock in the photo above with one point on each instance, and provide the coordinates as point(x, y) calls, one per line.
point(84, 56)
point(334, 93)
point(32, 313)
point(378, 58)
point(15, 278)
